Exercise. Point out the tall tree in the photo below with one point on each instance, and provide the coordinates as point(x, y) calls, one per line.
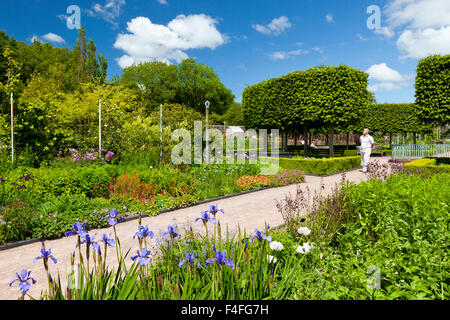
point(156, 81)
point(198, 83)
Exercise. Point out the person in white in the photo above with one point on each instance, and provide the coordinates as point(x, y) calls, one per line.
point(367, 143)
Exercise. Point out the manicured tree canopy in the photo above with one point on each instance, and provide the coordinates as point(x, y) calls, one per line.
point(330, 97)
point(433, 89)
point(391, 118)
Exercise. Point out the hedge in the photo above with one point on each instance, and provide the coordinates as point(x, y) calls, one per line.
point(392, 118)
point(427, 165)
point(321, 166)
point(350, 153)
point(433, 89)
point(317, 97)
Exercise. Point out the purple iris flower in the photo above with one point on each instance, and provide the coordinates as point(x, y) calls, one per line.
point(214, 209)
point(96, 247)
point(23, 278)
point(172, 232)
point(86, 238)
point(205, 217)
point(46, 255)
point(143, 256)
point(22, 187)
point(260, 236)
point(220, 260)
point(113, 216)
point(107, 240)
point(189, 258)
point(143, 232)
point(2, 179)
point(78, 229)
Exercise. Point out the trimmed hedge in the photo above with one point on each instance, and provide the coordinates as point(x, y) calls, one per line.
point(350, 153)
point(321, 166)
point(392, 118)
point(427, 165)
point(318, 97)
point(433, 89)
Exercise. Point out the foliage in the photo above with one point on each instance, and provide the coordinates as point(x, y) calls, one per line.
point(321, 166)
point(397, 226)
point(322, 96)
point(392, 118)
point(198, 83)
point(433, 89)
point(427, 166)
point(17, 221)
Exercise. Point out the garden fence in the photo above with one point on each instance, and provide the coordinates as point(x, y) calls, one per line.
point(414, 151)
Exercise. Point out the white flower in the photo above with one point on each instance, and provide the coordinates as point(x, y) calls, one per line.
point(276, 246)
point(271, 259)
point(304, 231)
point(305, 248)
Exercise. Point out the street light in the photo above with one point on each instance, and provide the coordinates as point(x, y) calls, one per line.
point(207, 134)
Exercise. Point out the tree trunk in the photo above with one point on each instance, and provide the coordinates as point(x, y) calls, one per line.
point(390, 141)
point(330, 140)
point(348, 140)
point(414, 138)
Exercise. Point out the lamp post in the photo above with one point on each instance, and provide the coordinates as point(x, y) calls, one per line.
point(99, 128)
point(160, 134)
point(207, 133)
point(12, 130)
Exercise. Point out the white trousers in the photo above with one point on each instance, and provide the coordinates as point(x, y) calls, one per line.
point(365, 156)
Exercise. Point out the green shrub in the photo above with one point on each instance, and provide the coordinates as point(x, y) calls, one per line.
point(350, 153)
point(321, 166)
point(387, 152)
point(17, 221)
point(427, 166)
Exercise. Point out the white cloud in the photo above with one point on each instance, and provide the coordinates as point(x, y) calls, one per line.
point(385, 78)
point(147, 41)
point(329, 17)
point(108, 12)
point(49, 37)
point(317, 49)
point(163, 1)
point(52, 37)
point(275, 27)
point(283, 55)
point(418, 13)
point(385, 31)
point(421, 43)
point(424, 26)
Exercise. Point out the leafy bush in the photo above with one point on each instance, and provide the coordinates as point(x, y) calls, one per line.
point(17, 221)
point(350, 153)
point(397, 226)
point(253, 182)
point(427, 166)
point(321, 166)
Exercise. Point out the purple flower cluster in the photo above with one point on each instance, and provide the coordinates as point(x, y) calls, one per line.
point(88, 156)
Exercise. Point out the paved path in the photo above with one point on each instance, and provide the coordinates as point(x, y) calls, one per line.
point(248, 211)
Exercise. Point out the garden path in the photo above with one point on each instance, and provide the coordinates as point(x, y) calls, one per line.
point(248, 211)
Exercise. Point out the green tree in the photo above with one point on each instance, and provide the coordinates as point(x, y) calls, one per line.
point(156, 82)
point(198, 83)
point(433, 89)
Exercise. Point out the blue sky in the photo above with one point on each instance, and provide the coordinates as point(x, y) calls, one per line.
point(246, 42)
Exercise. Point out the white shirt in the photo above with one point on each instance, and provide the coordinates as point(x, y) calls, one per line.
point(366, 142)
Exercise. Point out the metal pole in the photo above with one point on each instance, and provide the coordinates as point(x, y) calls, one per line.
point(100, 128)
point(12, 130)
point(207, 133)
point(160, 134)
